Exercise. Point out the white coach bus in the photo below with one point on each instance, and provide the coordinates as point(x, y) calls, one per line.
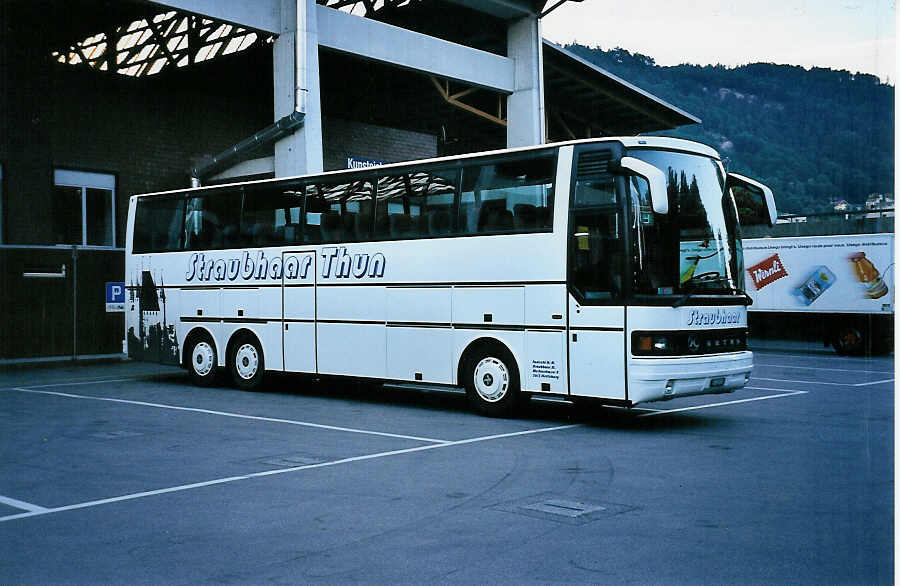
point(608, 269)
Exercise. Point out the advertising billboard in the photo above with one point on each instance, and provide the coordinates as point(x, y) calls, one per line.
point(827, 274)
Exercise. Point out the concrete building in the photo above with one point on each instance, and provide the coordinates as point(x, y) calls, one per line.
point(102, 99)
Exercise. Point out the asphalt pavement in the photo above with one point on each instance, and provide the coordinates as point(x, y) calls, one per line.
point(125, 473)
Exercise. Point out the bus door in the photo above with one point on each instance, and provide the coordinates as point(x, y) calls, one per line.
point(596, 280)
point(298, 296)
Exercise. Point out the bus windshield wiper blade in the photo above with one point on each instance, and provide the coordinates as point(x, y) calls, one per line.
point(684, 298)
point(690, 293)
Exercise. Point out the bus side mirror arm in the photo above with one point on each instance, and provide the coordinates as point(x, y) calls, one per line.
point(656, 179)
point(735, 179)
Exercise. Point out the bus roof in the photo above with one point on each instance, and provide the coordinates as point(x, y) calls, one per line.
point(657, 142)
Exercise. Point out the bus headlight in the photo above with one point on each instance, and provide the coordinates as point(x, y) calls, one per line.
point(653, 344)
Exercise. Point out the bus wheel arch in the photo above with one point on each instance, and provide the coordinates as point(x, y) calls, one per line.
point(245, 360)
point(489, 371)
point(201, 357)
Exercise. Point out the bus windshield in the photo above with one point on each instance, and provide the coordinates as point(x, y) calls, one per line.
point(695, 248)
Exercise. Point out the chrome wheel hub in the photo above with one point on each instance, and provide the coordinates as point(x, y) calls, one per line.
point(246, 361)
point(491, 379)
point(203, 358)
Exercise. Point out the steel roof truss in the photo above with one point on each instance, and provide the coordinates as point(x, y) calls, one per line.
point(149, 45)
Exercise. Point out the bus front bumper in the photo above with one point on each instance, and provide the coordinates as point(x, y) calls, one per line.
point(660, 379)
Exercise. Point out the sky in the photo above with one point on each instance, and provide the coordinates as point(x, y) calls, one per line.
point(856, 35)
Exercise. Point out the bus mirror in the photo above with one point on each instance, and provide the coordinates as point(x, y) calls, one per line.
point(755, 201)
point(656, 179)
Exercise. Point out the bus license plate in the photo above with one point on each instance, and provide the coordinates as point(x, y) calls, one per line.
point(719, 381)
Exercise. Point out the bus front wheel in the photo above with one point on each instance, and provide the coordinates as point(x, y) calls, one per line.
point(202, 360)
point(245, 361)
point(491, 380)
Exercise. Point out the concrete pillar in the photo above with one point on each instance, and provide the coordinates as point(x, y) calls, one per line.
point(296, 63)
point(525, 106)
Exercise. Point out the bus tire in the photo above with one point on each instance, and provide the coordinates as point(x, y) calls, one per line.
point(491, 380)
point(245, 362)
point(849, 341)
point(201, 359)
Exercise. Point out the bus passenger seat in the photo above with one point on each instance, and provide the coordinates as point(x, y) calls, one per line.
point(262, 233)
point(230, 236)
point(363, 227)
point(401, 225)
point(348, 221)
point(438, 222)
point(468, 218)
point(495, 217)
point(332, 228)
point(525, 217)
point(382, 223)
point(312, 233)
point(291, 233)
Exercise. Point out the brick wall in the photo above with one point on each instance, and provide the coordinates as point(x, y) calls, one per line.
point(148, 132)
point(344, 138)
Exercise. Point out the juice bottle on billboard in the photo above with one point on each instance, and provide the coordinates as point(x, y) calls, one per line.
point(870, 279)
point(816, 283)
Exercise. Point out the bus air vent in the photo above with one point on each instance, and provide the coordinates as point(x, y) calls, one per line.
point(593, 163)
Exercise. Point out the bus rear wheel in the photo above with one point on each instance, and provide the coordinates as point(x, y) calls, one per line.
point(245, 362)
point(491, 380)
point(202, 360)
point(849, 341)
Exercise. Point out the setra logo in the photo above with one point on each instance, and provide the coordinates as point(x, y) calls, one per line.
point(767, 271)
point(693, 344)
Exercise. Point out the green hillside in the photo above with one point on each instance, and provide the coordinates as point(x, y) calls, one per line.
point(814, 136)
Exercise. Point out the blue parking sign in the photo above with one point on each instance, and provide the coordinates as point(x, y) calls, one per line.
point(115, 296)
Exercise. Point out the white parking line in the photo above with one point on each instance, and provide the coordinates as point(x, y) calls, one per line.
point(874, 382)
point(234, 415)
point(74, 384)
point(22, 505)
point(707, 406)
point(185, 487)
point(790, 367)
point(816, 382)
point(813, 356)
point(86, 382)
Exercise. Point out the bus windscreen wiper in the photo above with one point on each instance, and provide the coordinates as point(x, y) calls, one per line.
point(684, 298)
point(697, 282)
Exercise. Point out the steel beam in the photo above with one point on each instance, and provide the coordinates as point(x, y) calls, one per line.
point(264, 15)
point(382, 42)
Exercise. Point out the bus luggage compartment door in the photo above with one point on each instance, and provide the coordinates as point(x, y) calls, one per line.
point(299, 311)
point(596, 351)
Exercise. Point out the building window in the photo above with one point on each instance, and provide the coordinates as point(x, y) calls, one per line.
point(84, 208)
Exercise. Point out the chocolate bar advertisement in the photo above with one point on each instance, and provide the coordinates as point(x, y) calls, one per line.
point(847, 273)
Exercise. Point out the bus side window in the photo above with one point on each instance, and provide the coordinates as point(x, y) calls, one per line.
point(223, 211)
point(271, 215)
point(211, 220)
point(416, 205)
point(513, 195)
point(342, 211)
point(158, 225)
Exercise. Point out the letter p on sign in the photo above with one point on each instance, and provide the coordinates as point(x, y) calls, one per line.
point(115, 296)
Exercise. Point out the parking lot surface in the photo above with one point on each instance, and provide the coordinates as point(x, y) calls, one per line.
point(125, 473)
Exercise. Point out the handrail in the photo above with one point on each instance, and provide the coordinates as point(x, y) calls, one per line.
point(42, 275)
